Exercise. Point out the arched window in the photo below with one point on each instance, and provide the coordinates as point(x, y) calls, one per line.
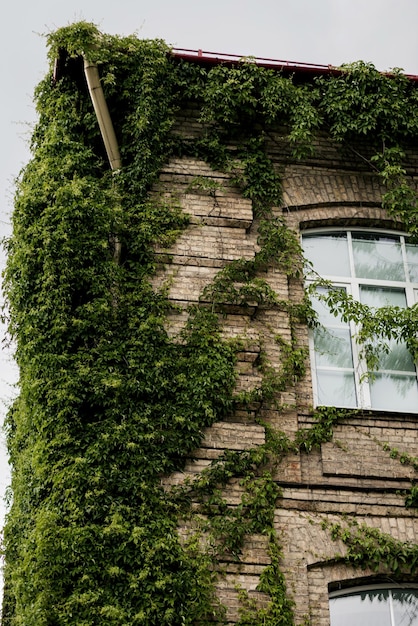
point(379, 605)
point(377, 269)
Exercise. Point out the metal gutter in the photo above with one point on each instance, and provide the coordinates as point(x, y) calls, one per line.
point(216, 58)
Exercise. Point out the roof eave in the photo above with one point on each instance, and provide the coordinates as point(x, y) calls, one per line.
point(292, 67)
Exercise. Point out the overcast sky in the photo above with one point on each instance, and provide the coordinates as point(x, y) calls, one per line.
point(312, 31)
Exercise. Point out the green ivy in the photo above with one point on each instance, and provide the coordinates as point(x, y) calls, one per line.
point(109, 403)
point(369, 547)
point(279, 611)
point(376, 326)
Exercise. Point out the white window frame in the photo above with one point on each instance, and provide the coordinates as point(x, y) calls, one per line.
point(352, 285)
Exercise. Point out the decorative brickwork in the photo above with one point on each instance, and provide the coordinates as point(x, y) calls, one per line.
point(354, 474)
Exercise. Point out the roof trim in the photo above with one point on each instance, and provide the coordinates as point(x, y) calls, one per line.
point(217, 58)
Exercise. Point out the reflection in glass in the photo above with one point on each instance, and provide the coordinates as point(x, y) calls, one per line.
point(394, 392)
point(378, 269)
point(382, 296)
point(375, 607)
point(328, 253)
point(359, 610)
point(336, 388)
point(377, 256)
point(412, 258)
point(325, 317)
point(398, 358)
point(333, 347)
point(405, 607)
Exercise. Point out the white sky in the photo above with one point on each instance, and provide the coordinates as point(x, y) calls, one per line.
point(312, 31)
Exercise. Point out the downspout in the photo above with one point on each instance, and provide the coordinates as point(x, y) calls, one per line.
point(102, 113)
point(106, 128)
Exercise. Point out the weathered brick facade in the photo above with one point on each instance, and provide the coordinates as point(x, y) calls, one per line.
point(353, 474)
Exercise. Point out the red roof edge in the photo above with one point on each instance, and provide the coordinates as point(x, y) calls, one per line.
point(216, 58)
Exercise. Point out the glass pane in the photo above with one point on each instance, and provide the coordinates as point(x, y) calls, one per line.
point(377, 256)
point(373, 607)
point(398, 358)
point(336, 388)
point(325, 317)
point(405, 607)
point(412, 256)
point(328, 253)
point(367, 609)
point(394, 392)
point(383, 296)
point(333, 347)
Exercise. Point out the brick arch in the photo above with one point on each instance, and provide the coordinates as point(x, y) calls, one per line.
point(305, 186)
point(368, 579)
point(342, 216)
point(326, 577)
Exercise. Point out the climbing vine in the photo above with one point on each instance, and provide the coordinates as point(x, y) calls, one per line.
point(110, 403)
point(369, 547)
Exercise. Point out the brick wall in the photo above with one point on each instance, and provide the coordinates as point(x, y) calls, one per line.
point(354, 474)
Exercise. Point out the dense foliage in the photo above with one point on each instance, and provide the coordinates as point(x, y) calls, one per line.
point(109, 403)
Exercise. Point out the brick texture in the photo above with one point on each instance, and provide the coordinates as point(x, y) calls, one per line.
point(354, 474)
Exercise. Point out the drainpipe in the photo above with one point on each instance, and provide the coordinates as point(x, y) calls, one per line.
point(106, 128)
point(102, 113)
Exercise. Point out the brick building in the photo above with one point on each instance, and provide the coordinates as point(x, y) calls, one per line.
point(356, 474)
point(347, 540)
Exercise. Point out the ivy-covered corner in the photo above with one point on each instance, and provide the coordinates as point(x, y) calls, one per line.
point(112, 402)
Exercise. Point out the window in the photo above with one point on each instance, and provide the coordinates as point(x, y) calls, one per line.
point(375, 606)
point(378, 269)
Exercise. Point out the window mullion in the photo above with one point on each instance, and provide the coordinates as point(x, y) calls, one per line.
point(313, 370)
point(392, 612)
point(404, 259)
point(360, 365)
point(409, 289)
